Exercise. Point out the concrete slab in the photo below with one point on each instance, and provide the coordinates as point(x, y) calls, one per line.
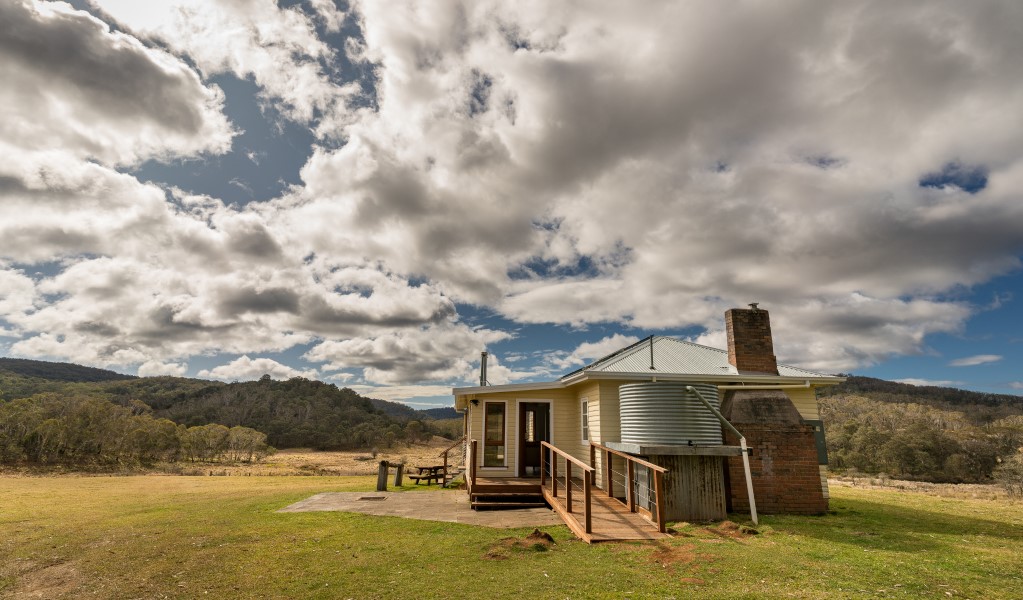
point(451, 506)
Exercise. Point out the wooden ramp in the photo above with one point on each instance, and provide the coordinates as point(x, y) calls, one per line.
point(611, 520)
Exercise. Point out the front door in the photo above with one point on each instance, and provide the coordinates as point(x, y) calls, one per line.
point(534, 427)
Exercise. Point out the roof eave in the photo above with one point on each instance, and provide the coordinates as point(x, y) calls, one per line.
point(510, 387)
point(708, 377)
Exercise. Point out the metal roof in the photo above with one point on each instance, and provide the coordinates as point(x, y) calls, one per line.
point(672, 356)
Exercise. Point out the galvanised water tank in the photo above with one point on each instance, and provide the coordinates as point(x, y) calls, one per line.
point(667, 414)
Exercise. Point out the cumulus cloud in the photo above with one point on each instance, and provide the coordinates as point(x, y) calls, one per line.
point(850, 166)
point(972, 361)
point(652, 189)
point(72, 84)
point(1016, 385)
point(154, 368)
point(244, 368)
point(442, 353)
point(930, 382)
point(401, 392)
point(589, 351)
point(276, 47)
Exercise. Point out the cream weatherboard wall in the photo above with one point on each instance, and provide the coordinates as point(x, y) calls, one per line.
point(566, 425)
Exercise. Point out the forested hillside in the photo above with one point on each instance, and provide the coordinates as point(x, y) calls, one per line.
point(36, 398)
point(926, 433)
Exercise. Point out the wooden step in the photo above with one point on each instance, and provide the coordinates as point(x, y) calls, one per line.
point(540, 504)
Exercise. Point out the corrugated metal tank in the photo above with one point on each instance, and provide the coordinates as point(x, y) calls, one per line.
point(663, 413)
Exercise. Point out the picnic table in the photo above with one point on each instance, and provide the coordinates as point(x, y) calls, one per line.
point(428, 473)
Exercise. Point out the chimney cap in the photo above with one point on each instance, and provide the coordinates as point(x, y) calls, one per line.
point(753, 305)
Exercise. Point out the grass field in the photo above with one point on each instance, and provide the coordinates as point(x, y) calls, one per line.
point(188, 537)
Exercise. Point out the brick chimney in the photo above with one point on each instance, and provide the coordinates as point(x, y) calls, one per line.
point(750, 348)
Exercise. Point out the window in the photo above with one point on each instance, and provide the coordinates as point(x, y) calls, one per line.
point(586, 420)
point(493, 434)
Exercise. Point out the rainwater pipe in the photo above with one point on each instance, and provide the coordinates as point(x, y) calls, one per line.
point(742, 444)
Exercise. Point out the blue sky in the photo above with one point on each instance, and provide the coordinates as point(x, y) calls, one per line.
point(372, 193)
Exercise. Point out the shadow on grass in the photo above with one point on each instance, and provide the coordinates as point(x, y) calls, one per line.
point(873, 525)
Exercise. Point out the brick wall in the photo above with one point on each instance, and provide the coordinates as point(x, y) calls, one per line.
point(786, 476)
point(750, 347)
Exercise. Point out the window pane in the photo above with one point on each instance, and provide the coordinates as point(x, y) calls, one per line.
point(493, 456)
point(494, 433)
point(586, 420)
point(530, 426)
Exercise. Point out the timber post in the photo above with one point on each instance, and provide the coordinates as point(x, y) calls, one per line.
point(382, 476)
point(659, 493)
point(568, 485)
point(398, 472)
point(587, 491)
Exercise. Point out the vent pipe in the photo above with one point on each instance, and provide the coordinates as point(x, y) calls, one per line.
point(483, 368)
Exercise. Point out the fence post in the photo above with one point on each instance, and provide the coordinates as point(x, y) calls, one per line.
point(568, 484)
point(587, 519)
point(608, 481)
point(631, 486)
point(382, 476)
point(398, 473)
point(659, 492)
point(474, 447)
point(593, 463)
point(543, 466)
point(554, 474)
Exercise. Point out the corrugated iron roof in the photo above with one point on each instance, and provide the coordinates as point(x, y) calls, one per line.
point(673, 356)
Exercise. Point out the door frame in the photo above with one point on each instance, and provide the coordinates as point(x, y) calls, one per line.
point(518, 434)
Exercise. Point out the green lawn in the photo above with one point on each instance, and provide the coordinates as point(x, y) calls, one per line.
point(187, 537)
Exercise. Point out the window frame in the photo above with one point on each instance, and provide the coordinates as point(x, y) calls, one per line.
point(584, 420)
point(504, 436)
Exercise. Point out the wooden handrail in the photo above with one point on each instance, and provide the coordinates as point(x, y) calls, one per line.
point(587, 524)
point(638, 461)
point(458, 442)
point(585, 467)
point(631, 461)
point(472, 463)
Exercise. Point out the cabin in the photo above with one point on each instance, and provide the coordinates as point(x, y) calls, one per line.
point(665, 429)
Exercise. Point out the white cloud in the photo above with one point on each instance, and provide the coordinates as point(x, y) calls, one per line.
point(517, 159)
point(589, 351)
point(930, 382)
point(70, 84)
point(972, 361)
point(244, 368)
point(439, 353)
point(154, 368)
point(1016, 385)
point(405, 392)
point(276, 47)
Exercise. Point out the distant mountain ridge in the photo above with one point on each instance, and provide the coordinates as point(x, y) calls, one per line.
point(293, 413)
point(59, 371)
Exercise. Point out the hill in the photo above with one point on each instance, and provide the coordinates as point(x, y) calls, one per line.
point(293, 413)
point(978, 407)
point(57, 371)
point(920, 432)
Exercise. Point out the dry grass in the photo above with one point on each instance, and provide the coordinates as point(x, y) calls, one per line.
point(296, 461)
point(963, 491)
point(303, 461)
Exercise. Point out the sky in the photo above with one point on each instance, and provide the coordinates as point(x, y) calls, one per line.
point(372, 193)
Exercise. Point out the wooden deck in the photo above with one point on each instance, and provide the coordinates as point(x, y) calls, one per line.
point(611, 520)
point(506, 485)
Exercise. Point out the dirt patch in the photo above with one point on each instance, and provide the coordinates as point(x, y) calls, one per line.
point(50, 581)
point(729, 530)
point(503, 549)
